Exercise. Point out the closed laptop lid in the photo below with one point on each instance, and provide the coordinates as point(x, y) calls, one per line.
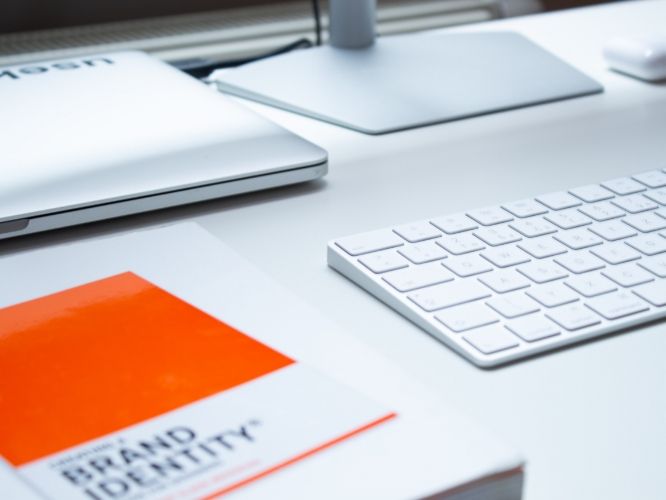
point(119, 126)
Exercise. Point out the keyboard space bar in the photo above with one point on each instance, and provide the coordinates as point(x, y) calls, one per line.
point(448, 294)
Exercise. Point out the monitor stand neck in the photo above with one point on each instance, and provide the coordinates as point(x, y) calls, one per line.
point(352, 23)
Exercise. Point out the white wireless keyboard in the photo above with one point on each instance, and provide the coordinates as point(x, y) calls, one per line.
point(505, 282)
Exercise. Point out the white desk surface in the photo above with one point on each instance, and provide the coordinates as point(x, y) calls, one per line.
point(590, 419)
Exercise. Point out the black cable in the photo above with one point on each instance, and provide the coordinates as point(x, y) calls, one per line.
point(201, 68)
point(317, 19)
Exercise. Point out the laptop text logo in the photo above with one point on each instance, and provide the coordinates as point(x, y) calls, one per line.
point(17, 73)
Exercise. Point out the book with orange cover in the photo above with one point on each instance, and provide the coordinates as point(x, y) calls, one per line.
point(127, 378)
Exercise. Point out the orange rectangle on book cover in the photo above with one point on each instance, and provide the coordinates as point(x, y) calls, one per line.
point(91, 360)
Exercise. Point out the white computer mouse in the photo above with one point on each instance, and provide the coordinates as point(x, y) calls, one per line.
point(641, 56)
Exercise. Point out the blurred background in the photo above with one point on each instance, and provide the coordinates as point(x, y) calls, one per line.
point(216, 29)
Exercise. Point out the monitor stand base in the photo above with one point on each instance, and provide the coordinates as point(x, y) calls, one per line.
point(409, 81)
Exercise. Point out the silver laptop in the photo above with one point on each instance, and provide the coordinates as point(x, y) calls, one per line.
point(98, 137)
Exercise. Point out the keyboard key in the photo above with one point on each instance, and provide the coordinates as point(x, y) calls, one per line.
point(653, 179)
point(553, 294)
point(645, 222)
point(648, 244)
point(656, 265)
point(490, 216)
point(460, 244)
point(505, 256)
point(495, 236)
point(580, 262)
point(467, 265)
point(426, 251)
point(533, 328)
point(541, 248)
point(491, 339)
point(369, 242)
point(573, 317)
point(591, 193)
point(654, 293)
point(505, 280)
point(524, 208)
point(558, 201)
point(513, 305)
point(657, 195)
point(381, 262)
point(578, 239)
point(411, 278)
point(602, 211)
point(623, 186)
point(452, 224)
point(568, 219)
point(417, 231)
point(613, 230)
point(628, 275)
point(542, 271)
point(616, 253)
point(467, 316)
point(635, 203)
point(535, 226)
point(450, 294)
point(591, 284)
point(617, 305)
